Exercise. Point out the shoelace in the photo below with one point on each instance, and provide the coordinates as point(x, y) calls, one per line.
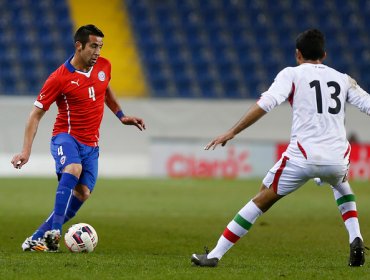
point(206, 249)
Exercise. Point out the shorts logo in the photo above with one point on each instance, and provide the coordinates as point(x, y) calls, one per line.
point(62, 160)
point(101, 76)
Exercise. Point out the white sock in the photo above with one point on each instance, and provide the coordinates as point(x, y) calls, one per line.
point(347, 206)
point(237, 228)
point(353, 229)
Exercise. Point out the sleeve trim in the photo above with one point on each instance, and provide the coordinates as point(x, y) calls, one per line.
point(38, 104)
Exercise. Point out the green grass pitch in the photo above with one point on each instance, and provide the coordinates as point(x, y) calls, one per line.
point(148, 229)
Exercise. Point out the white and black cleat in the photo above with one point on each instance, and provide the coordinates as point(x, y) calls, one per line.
point(202, 260)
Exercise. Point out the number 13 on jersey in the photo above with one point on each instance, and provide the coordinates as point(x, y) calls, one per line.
point(332, 110)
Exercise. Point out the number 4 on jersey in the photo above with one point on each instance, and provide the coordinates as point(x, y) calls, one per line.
point(92, 93)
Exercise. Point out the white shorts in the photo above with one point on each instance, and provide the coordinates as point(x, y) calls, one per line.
point(286, 177)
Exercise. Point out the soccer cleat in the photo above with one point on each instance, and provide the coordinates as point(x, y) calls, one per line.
point(357, 253)
point(52, 238)
point(37, 245)
point(203, 260)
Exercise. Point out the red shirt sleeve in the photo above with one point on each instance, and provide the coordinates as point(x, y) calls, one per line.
point(49, 92)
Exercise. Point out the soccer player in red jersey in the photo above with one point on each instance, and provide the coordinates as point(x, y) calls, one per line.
point(80, 87)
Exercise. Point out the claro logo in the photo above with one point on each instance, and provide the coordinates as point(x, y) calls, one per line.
point(185, 165)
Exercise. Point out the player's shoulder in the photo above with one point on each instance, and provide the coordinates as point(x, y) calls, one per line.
point(332, 73)
point(286, 73)
point(335, 71)
point(58, 74)
point(325, 71)
point(104, 65)
point(103, 61)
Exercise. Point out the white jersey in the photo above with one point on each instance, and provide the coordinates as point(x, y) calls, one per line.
point(317, 94)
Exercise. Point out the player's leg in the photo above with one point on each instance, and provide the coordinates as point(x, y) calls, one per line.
point(64, 149)
point(86, 182)
point(35, 242)
point(81, 191)
point(64, 194)
point(68, 180)
point(281, 180)
point(80, 194)
point(39, 233)
point(346, 202)
point(244, 220)
point(238, 227)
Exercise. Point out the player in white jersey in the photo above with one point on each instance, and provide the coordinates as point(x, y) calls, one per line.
point(318, 146)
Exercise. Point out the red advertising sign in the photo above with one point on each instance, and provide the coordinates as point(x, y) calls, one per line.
point(187, 165)
point(178, 158)
point(360, 162)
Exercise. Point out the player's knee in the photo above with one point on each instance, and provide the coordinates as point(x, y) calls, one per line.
point(74, 169)
point(266, 198)
point(82, 192)
point(84, 196)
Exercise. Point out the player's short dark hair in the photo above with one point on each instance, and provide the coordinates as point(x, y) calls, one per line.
point(82, 34)
point(311, 43)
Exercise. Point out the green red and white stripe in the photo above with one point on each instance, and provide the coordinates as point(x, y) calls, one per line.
point(347, 206)
point(242, 222)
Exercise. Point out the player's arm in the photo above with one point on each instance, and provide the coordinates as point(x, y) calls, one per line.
point(112, 103)
point(29, 135)
point(253, 114)
point(278, 92)
point(358, 97)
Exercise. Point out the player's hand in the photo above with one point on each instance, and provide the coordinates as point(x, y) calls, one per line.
point(222, 139)
point(19, 160)
point(139, 123)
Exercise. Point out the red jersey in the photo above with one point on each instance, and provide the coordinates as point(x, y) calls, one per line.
point(80, 98)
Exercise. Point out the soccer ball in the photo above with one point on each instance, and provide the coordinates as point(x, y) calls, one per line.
point(81, 237)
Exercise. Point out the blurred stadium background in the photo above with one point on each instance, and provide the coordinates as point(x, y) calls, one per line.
point(181, 48)
point(189, 67)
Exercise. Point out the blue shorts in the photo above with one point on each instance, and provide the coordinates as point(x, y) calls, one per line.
point(66, 150)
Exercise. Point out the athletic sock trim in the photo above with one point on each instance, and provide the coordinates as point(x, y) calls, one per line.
point(242, 222)
point(346, 198)
point(349, 214)
point(232, 237)
point(68, 202)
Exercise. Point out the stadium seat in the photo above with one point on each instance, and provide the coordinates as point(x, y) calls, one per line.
point(190, 48)
point(33, 35)
point(245, 42)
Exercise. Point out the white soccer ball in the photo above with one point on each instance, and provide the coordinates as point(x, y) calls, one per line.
point(81, 237)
